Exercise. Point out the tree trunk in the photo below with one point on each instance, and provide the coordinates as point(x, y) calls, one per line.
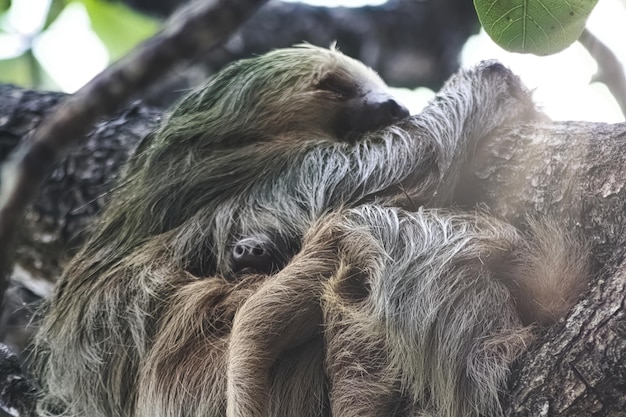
point(575, 172)
point(572, 170)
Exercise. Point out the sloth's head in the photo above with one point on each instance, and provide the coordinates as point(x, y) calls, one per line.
point(301, 91)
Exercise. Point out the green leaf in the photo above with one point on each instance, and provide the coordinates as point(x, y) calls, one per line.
point(119, 27)
point(540, 27)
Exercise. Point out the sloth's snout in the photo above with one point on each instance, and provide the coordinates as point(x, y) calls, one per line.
point(393, 110)
point(367, 113)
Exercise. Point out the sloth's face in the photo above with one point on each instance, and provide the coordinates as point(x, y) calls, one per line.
point(333, 96)
point(293, 94)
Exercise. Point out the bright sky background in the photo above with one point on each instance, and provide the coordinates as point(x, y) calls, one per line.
point(72, 54)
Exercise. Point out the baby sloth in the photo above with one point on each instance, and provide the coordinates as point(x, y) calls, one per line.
point(274, 249)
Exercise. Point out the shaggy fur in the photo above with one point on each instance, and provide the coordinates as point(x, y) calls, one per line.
point(383, 309)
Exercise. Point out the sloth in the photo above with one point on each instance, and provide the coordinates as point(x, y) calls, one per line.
point(281, 246)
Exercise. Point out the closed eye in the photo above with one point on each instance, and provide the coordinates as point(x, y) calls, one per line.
point(340, 87)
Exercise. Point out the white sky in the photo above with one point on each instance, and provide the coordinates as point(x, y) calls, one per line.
point(72, 54)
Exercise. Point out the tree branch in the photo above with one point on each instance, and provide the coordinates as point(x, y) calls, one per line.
point(610, 69)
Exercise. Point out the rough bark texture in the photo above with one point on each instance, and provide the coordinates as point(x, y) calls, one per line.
point(73, 192)
point(576, 171)
point(571, 170)
point(579, 369)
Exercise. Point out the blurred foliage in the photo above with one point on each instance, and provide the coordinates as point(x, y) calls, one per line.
point(55, 9)
point(117, 26)
point(540, 27)
point(16, 71)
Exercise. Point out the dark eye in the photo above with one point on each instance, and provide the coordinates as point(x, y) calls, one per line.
point(340, 87)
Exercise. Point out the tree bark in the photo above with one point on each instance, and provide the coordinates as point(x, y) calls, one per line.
point(579, 366)
point(72, 194)
point(572, 170)
point(77, 186)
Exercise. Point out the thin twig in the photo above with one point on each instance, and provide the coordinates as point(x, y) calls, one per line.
point(195, 30)
point(610, 69)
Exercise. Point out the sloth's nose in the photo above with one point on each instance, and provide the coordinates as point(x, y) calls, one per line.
point(250, 253)
point(383, 111)
point(367, 113)
point(394, 110)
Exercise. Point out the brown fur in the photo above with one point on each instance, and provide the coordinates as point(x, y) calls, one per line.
point(381, 310)
point(554, 261)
